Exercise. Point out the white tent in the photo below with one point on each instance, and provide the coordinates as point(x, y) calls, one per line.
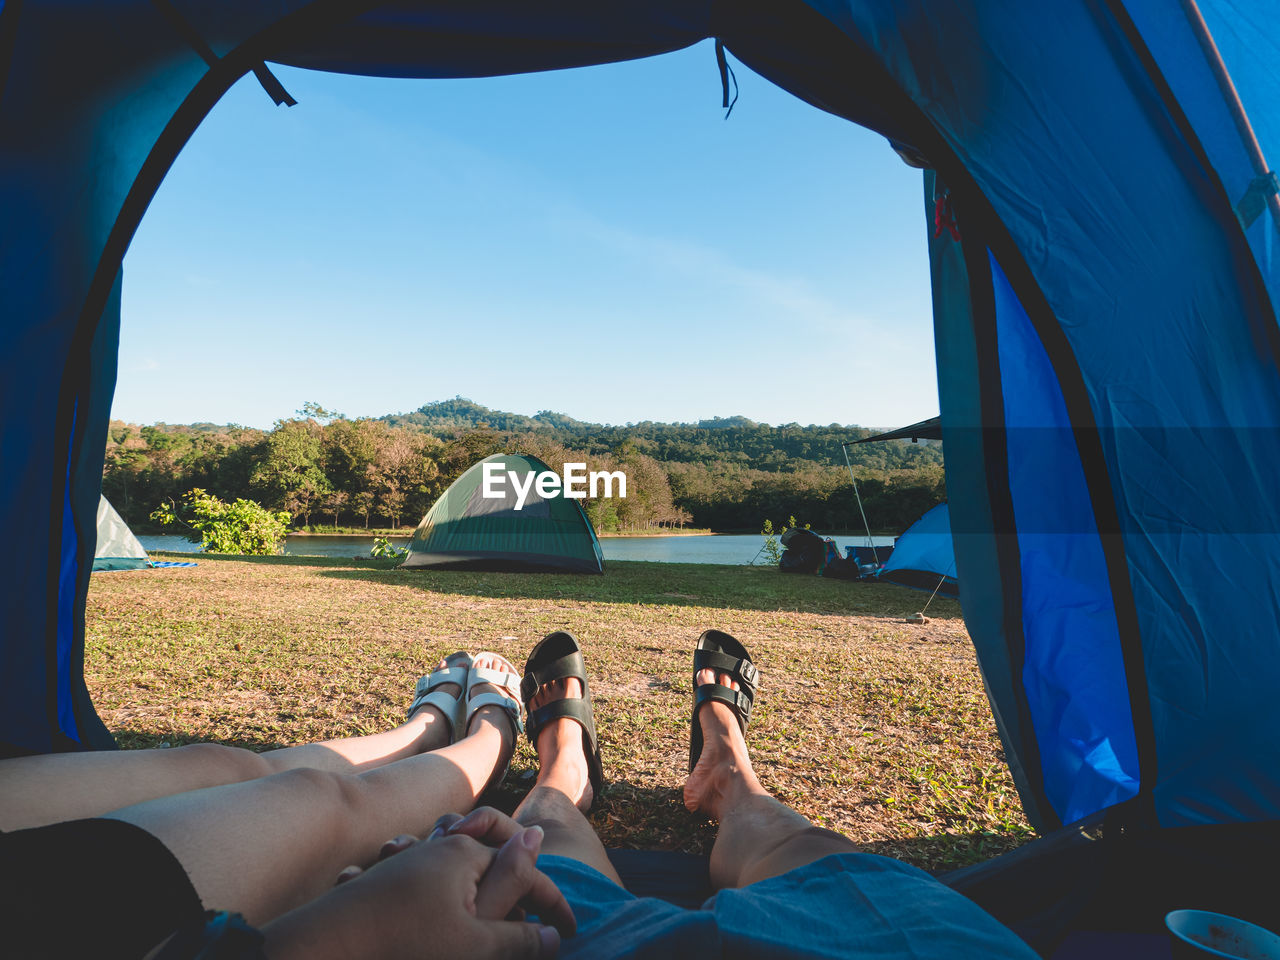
point(118, 548)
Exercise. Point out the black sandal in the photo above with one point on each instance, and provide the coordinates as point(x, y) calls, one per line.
point(722, 653)
point(558, 657)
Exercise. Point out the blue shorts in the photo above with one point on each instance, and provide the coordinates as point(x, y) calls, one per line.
point(845, 905)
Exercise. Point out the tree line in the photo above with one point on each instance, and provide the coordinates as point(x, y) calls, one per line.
point(325, 469)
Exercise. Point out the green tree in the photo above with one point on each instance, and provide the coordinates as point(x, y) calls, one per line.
point(313, 411)
point(291, 475)
point(241, 527)
point(364, 501)
point(334, 501)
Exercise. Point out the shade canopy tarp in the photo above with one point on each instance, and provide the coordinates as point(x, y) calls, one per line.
point(930, 429)
point(117, 548)
point(465, 529)
point(1104, 254)
point(924, 557)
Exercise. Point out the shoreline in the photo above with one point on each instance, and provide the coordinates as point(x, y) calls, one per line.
point(408, 532)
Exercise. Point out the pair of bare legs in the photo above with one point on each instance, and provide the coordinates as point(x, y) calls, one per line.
point(263, 833)
point(759, 837)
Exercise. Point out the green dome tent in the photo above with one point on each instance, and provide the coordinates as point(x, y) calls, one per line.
point(467, 529)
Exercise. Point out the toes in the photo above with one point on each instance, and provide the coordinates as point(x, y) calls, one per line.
point(564, 689)
point(707, 675)
point(494, 661)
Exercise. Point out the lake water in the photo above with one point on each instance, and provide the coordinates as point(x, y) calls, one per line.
point(717, 548)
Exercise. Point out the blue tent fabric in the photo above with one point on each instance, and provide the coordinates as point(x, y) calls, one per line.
point(923, 557)
point(1073, 670)
point(1249, 45)
point(1120, 508)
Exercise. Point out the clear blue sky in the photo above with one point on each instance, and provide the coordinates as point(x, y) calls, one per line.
point(599, 242)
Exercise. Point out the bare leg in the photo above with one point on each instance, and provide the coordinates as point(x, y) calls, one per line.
point(35, 791)
point(563, 789)
point(759, 837)
point(265, 846)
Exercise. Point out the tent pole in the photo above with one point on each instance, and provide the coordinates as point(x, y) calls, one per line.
point(1229, 93)
point(871, 543)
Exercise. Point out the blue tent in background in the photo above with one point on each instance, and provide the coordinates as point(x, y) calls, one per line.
point(923, 557)
point(1105, 259)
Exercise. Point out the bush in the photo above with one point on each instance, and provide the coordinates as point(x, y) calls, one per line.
point(243, 527)
point(771, 550)
point(384, 548)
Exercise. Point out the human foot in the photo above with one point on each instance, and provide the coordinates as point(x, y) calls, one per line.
point(436, 702)
point(562, 757)
point(493, 700)
point(561, 725)
point(722, 776)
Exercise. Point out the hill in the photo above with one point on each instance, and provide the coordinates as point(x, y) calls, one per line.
point(732, 440)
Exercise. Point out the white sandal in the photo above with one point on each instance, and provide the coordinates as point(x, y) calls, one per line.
point(456, 670)
point(507, 697)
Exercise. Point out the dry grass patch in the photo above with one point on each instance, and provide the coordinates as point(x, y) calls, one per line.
point(866, 724)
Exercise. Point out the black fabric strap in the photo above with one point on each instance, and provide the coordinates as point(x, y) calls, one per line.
point(726, 74)
point(570, 665)
point(275, 89)
point(741, 669)
point(740, 700)
point(573, 708)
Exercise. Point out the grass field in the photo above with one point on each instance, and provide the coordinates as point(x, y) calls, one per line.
point(867, 724)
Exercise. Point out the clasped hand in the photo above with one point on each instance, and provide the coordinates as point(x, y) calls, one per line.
point(464, 893)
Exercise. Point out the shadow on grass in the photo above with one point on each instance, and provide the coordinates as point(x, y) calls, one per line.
point(668, 584)
point(632, 582)
point(282, 560)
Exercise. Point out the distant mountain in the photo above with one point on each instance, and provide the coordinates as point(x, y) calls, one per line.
point(723, 423)
point(560, 421)
point(188, 428)
point(444, 416)
point(728, 439)
point(449, 416)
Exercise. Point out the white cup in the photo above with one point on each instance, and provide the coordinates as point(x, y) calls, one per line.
point(1199, 934)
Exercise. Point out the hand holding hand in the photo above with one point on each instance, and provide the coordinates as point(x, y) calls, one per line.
point(450, 896)
point(491, 827)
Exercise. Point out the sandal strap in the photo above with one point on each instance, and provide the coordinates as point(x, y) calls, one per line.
point(504, 679)
point(508, 703)
point(446, 703)
point(578, 709)
point(574, 708)
point(427, 692)
point(740, 668)
point(428, 683)
point(570, 665)
point(740, 701)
